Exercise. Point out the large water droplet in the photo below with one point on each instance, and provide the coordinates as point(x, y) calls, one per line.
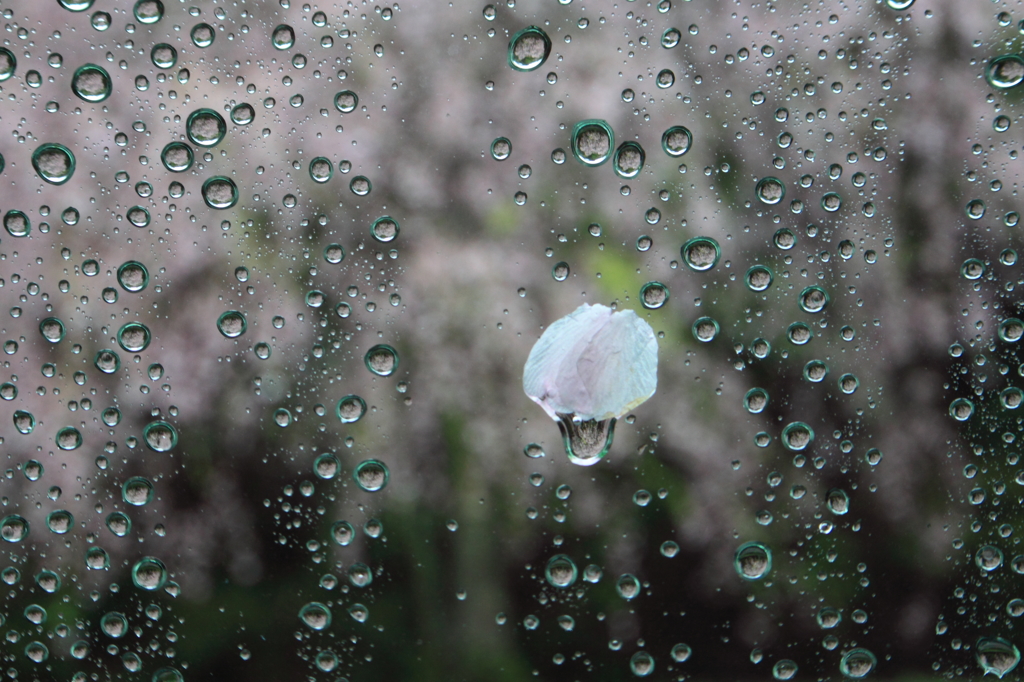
point(628, 586)
point(343, 533)
point(8, 64)
point(755, 400)
point(988, 558)
point(641, 664)
point(60, 521)
point(996, 655)
point(321, 169)
point(232, 324)
point(838, 501)
point(114, 625)
point(283, 37)
point(160, 436)
point(797, 436)
point(501, 148)
point(371, 475)
point(528, 49)
point(133, 276)
point(784, 669)
point(52, 329)
point(677, 140)
point(177, 157)
point(586, 441)
point(752, 561)
point(560, 571)
point(360, 575)
point(24, 422)
point(857, 663)
point(381, 360)
point(628, 160)
point(1011, 330)
point(243, 114)
point(351, 409)
point(220, 192)
point(961, 409)
point(592, 142)
point(701, 253)
point(828, 617)
point(205, 127)
point(653, 295)
point(149, 573)
point(91, 83)
point(163, 56)
point(813, 299)
point(705, 329)
point(69, 438)
point(384, 229)
point(770, 190)
point(54, 163)
point(134, 337)
point(1005, 71)
point(17, 223)
point(119, 524)
point(759, 278)
point(149, 11)
point(137, 491)
point(202, 35)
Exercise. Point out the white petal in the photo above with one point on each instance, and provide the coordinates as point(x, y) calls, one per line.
point(593, 364)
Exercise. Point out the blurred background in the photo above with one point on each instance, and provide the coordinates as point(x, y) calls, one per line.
point(896, 140)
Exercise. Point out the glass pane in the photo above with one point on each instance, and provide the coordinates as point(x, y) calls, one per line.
point(494, 341)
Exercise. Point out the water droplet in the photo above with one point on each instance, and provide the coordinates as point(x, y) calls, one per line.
point(653, 295)
point(359, 613)
point(676, 141)
point(592, 142)
point(149, 573)
point(528, 49)
point(784, 669)
point(815, 371)
point(670, 38)
point(232, 324)
point(1005, 71)
point(988, 558)
point(346, 101)
point(360, 575)
point(755, 400)
point(177, 157)
point(138, 216)
point(168, 675)
point(560, 271)
point(501, 148)
point(321, 169)
point(60, 521)
point(641, 664)
point(857, 663)
point(705, 329)
point(975, 209)
point(784, 238)
point(560, 571)
point(134, 337)
point(628, 160)
point(384, 229)
point(759, 278)
point(148, 11)
point(828, 617)
point(701, 253)
point(586, 441)
point(36, 652)
point(752, 561)
point(160, 436)
point(996, 655)
point(371, 475)
point(119, 524)
point(283, 37)
point(17, 223)
point(220, 192)
point(243, 114)
point(326, 466)
point(1011, 330)
point(1015, 607)
point(838, 501)
point(961, 409)
point(334, 253)
point(97, 559)
point(68, 438)
point(1011, 398)
point(52, 329)
point(54, 163)
point(33, 470)
point(114, 625)
point(133, 276)
point(831, 202)
point(205, 127)
point(797, 436)
point(137, 491)
point(813, 299)
point(360, 185)
point(770, 190)
point(627, 586)
point(665, 79)
point(163, 56)
point(24, 422)
point(351, 409)
point(48, 581)
point(799, 333)
point(343, 533)
point(381, 360)
point(100, 20)
point(91, 83)
point(848, 384)
point(972, 269)
point(1001, 124)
